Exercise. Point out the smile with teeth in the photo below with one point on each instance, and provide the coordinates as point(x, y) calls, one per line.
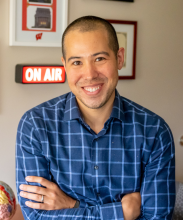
point(92, 89)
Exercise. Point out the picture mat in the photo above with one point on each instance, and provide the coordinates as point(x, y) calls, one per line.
point(31, 11)
point(122, 40)
point(129, 29)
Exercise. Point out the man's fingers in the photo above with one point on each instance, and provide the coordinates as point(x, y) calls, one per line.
point(32, 196)
point(54, 197)
point(34, 189)
point(33, 205)
point(41, 180)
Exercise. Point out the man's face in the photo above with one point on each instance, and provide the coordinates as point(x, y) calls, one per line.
point(91, 67)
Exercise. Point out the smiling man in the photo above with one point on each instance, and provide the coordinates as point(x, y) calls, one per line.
point(91, 153)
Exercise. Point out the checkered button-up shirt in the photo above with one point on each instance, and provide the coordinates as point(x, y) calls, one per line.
point(134, 152)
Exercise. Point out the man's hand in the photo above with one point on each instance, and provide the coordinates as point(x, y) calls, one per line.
point(131, 204)
point(54, 197)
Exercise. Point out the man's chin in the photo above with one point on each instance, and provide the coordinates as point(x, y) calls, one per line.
point(95, 102)
point(93, 105)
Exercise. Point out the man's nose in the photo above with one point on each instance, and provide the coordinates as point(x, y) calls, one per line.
point(90, 71)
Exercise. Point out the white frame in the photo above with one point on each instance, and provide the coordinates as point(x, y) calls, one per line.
point(12, 28)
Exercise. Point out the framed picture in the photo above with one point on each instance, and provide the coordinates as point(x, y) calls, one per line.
point(127, 38)
point(37, 22)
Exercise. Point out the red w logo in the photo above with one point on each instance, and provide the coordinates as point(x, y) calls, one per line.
point(39, 36)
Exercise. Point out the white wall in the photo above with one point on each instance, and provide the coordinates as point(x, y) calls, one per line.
point(159, 69)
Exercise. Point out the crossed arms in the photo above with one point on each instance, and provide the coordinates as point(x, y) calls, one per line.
point(56, 199)
point(159, 173)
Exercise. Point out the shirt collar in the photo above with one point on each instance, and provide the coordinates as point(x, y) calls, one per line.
point(72, 110)
point(117, 110)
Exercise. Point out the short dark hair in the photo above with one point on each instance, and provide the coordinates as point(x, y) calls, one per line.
point(91, 23)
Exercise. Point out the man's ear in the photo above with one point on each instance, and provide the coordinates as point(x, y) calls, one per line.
point(63, 61)
point(120, 57)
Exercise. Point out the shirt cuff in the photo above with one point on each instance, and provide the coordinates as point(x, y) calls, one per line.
point(76, 204)
point(111, 211)
point(82, 204)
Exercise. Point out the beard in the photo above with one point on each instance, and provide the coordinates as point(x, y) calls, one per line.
point(93, 104)
point(97, 105)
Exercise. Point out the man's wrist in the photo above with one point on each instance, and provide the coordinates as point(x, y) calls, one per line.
point(71, 202)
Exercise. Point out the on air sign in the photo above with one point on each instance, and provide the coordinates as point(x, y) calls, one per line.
point(39, 74)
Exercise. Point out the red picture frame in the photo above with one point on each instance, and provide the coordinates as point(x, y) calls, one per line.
point(132, 26)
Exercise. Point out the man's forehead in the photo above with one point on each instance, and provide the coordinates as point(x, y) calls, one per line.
point(77, 41)
point(74, 32)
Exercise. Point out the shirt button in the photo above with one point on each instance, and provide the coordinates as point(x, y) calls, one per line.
point(98, 194)
point(96, 139)
point(96, 167)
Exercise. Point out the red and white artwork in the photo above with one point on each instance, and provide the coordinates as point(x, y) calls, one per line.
point(39, 15)
point(37, 22)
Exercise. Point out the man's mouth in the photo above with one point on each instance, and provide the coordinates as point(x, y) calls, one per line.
point(92, 89)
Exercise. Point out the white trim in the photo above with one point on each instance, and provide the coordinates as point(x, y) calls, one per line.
point(12, 27)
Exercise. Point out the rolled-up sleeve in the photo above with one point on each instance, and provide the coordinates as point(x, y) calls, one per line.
point(158, 182)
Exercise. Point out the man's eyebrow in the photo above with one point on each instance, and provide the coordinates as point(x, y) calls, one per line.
point(102, 52)
point(72, 58)
point(93, 55)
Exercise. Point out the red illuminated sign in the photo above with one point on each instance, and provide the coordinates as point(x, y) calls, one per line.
point(39, 74)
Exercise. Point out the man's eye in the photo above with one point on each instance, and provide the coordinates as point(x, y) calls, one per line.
point(100, 58)
point(76, 63)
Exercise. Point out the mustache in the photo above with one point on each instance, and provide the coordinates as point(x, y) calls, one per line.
point(85, 82)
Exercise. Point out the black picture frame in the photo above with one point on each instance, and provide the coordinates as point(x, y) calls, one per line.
point(41, 1)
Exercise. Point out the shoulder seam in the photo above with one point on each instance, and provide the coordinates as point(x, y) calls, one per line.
point(129, 102)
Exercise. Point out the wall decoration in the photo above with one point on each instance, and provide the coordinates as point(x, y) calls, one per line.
point(127, 37)
point(37, 22)
point(39, 74)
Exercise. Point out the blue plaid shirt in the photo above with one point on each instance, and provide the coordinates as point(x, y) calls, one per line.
point(134, 152)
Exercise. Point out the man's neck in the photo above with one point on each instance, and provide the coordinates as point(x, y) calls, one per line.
point(96, 118)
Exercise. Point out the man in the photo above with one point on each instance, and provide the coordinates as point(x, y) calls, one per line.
point(92, 154)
